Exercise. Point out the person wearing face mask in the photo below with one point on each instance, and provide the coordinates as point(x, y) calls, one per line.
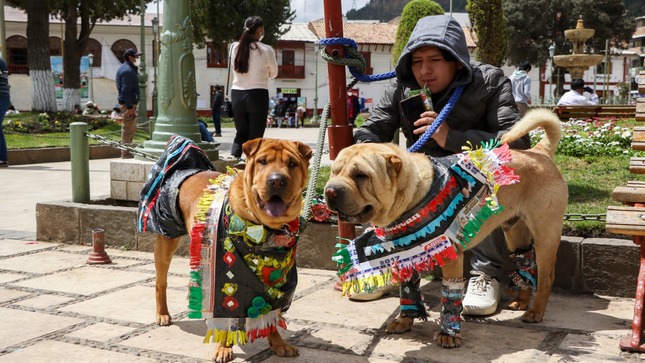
point(436, 59)
point(254, 63)
point(127, 84)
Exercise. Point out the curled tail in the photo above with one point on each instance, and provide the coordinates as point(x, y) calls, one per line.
point(533, 119)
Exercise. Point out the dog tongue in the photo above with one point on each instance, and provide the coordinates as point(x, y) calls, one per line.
point(275, 207)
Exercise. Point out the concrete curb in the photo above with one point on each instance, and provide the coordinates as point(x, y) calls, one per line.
point(56, 154)
point(593, 265)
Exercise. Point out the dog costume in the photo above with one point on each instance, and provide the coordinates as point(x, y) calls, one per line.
point(242, 275)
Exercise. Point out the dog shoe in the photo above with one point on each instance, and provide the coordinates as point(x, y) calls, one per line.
point(482, 295)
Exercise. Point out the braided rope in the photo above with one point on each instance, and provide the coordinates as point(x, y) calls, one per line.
point(353, 59)
point(438, 121)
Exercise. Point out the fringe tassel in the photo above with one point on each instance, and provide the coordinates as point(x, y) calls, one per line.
point(227, 331)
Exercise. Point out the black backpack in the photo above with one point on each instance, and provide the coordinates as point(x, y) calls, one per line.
point(227, 109)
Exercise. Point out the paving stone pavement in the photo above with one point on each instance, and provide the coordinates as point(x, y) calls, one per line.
point(57, 308)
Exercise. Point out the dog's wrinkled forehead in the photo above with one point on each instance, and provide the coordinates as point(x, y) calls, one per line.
point(364, 158)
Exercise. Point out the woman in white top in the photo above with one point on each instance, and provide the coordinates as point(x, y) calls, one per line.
point(254, 64)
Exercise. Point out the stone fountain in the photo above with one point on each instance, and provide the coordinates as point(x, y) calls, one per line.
point(578, 62)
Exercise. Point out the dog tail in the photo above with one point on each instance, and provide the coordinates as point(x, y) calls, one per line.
point(538, 118)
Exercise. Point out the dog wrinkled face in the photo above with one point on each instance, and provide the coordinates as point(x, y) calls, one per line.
point(363, 183)
point(275, 177)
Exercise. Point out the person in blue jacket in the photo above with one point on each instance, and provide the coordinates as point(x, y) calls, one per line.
point(127, 85)
point(5, 102)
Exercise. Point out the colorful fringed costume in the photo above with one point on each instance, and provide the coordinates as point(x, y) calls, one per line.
point(244, 278)
point(461, 198)
point(242, 275)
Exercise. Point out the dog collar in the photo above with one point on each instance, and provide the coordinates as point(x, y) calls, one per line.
point(462, 197)
point(242, 275)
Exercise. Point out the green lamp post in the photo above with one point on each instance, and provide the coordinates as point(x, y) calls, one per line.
point(143, 77)
point(177, 89)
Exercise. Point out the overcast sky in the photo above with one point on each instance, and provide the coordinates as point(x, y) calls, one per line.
point(306, 10)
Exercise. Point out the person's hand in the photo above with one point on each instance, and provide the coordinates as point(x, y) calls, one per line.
point(128, 114)
point(424, 123)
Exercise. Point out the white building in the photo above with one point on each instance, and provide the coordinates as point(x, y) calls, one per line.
point(302, 76)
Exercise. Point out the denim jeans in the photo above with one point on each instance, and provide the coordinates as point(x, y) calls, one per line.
point(217, 121)
point(5, 102)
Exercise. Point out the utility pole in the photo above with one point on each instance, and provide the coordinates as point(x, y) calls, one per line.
point(143, 77)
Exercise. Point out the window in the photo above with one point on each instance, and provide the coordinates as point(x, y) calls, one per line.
point(288, 57)
point(600, 68)
point(55, 46)
point(120, 46)
point(17, 54)
point(216, 55)
point(93, 46)
point(368, 62)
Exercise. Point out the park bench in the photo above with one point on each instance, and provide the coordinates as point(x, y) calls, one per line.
point(629, 219)
point(584, 112)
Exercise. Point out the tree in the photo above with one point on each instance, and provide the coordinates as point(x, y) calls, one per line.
point(88, 12)
point(209, 21)
point(487, 19)
point(42, 90)
point(412, 12)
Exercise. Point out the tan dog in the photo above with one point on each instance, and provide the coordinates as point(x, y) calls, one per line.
point(267, 192)
point(378, 183)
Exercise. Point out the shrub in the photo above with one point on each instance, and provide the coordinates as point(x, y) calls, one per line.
point(592, 137)
point(50, 122)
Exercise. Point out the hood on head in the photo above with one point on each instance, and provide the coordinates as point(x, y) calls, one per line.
point(441, 31)
point(519, 74)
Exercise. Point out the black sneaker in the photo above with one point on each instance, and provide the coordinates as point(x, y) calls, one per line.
point(4, 164)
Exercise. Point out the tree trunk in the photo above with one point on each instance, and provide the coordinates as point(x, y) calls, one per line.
point(74, 45)
point(43, 91)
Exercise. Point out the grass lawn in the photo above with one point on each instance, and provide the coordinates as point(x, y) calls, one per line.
point(591, 179)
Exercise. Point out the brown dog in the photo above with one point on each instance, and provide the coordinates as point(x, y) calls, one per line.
point(379, 183)
point(268, 192)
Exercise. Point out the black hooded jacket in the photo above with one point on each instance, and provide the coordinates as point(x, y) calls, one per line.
point(485, 110)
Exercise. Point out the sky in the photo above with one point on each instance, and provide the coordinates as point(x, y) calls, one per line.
point(306, 10)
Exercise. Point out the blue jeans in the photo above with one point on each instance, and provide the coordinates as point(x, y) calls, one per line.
point(5, 102)
point(217, 121)
point(488, 256)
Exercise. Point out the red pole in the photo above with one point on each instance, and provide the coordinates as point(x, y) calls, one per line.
point(340, 132)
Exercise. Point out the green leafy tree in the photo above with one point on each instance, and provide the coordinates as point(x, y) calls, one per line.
point(412, 12)
point(42, 90)
point(487, 19)
point(210, 21)
point(80, 17)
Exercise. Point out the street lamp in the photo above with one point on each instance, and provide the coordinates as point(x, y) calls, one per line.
point(155, 55)
point(90, 58)
point(143, 77)
point(551, 54)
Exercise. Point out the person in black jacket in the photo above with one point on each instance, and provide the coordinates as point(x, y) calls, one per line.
point(5, 102)
point(216, 110)
point(436, 59)
point(127, 85)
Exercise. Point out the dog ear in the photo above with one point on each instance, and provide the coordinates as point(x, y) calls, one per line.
point(251, 147)
point(304, 150)
point(394, 164)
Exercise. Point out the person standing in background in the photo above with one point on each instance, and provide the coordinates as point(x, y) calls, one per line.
point(216, 110)
point(127, 85)
point(5, 102)
point(254, 64)
point(521, 83)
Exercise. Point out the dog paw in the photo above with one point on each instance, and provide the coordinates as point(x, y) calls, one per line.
point(223, 354)
point(285, 350)
point(518, 305)
point(399, 325)
point(164, 320)
point(532, 316)
point(447, 341)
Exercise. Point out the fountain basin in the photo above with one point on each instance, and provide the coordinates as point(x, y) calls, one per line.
point(579, 34)
point(577, 60)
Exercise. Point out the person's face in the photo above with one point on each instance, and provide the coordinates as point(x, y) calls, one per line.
point(430, 69)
